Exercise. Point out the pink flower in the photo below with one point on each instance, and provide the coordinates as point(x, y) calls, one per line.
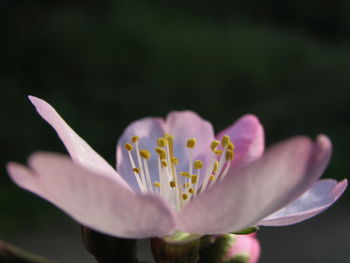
point(145, 195)
point(243, 246)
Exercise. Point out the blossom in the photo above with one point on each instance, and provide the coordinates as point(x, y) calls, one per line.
point(175, 178)
point(243, 247)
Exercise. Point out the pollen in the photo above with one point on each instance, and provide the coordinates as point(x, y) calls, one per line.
point(135, 139)
point(212, 178)
point(172, 184)
point(216, 166)
point(157, 184)
point(225, 141)
point(229, 155)
point(128, 147)
point(218, 152)
point(185, 174)
point(145, 154)
point(161, 152)
point(231, 146)
point(194, 178)
point(214, 144)
point(191, 143)
point(184, 196)
point(191, 191)
point(161, 142)
point(164, 163)
point(174, 160)
point(198, 164)
point(136, 170)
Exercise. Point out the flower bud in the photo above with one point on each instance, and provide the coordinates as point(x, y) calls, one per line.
point(230, 248)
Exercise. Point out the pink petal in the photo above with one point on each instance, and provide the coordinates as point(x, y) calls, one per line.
point(314, 201)
point(182, 125)
point(99, 202)
point(187, 124)
point(247, 134)
point(148, 129)
point(78, 149)
point(285, 172)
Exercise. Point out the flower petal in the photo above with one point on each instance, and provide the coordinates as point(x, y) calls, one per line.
point(285, 172)
point(187, 124)
point(247, 135)
point(78, 149)
point(182, 125)
point(314, 201)
point(148, 129)
point(99, 202)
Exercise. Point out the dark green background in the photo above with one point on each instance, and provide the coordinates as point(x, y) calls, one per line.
point(103, 64)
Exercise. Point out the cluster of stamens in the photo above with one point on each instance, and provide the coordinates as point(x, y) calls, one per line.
point(175, 187)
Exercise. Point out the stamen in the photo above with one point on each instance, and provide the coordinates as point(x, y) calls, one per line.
point(212, 177)
point(214, 144)
point(136, 170)
point(216, 166)
point(164, 163)
point(136, 173)
point(218, 152)
point(161, 142)
point(128, 147)
point(229, 155)
point(191, 191)
point(225, 141)
point(194, 178)
point(231, 146)
point(145, 154)
point(198, 164)
point(174, 160)
point(172, 184)
point(135, 139)
point(184, 196)
point(185, 174)
point(157, 184)
point(161, 152)
point(191, 143)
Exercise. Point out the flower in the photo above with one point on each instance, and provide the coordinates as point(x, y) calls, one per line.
point(175, 178)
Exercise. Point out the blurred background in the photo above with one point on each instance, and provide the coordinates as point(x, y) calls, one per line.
point(103, 64)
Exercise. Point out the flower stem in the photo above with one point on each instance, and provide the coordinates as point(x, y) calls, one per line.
point(12, 254)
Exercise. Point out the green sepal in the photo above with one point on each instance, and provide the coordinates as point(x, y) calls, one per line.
point(239, 258)
point(247, 230)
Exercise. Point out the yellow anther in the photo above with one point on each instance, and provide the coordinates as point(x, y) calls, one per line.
point(184, 196)
point(229, 155)
point(191, 143)
point(212, 177)
point(128, 147)
point(225, 141)
point(169, 138)
point(214, 144)
point(191, 191)
point(136, 170)
point(185, 174)
point(174, 160)
point(161, 142)
point(161, 152)
point(218, 152)
point(231, 146)
point(198, 164)
point(186, 185)
point(156, 184)
point(135, 139)
point(145, 154)
point(194, 178)
point(216, 166)
point(164, 163)
point(172, 184)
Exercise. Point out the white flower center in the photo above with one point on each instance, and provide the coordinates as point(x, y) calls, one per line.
point(178, 187)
